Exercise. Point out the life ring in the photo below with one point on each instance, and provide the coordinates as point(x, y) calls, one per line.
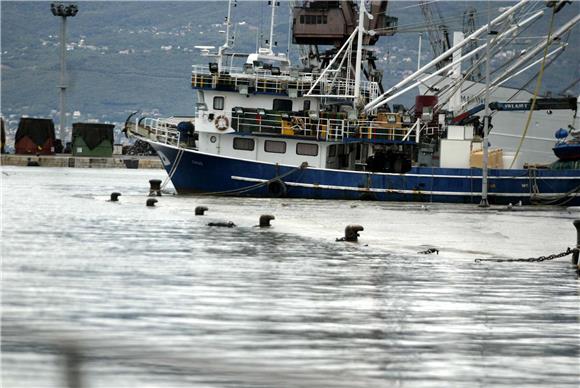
point(222, 123)
point(277, 189)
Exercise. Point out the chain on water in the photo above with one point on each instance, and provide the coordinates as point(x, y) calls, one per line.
point(567, 252)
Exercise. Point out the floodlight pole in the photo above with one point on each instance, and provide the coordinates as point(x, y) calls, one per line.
point(63, 11)
point(62, 84)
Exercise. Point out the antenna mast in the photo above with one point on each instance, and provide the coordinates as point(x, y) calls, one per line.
point(226, 45)
point(271, 41)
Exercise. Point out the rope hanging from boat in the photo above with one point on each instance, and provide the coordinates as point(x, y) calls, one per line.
point(173, 168)
point(529, 81)
point(243, 190)
point(537, 90)
point(556, 199)
point(536, 197)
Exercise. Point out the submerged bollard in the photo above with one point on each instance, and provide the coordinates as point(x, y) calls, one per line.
point(72, 362)
point(200, 210)
point(576, 254)
point(228, 224)
point(32, 163)
point(265, 220)
point(151, 202)
point(155, 187)
point(115, 196)
point(351, 233)
point(429, 251)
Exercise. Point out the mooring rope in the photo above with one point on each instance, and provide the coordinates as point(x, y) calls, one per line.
point(258, 185)
point(173, 168)
point(537, 90)
point(557, 199)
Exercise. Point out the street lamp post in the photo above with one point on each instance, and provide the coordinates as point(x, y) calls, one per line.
point(63, 11)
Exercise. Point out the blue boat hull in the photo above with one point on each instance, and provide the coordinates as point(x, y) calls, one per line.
point(198, 172)
point(567, 152)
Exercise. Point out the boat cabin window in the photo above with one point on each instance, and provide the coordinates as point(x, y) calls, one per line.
point(218, 103)
point(244, 144)
point(282, 105)
point(307, 149)
point(306, 105)
point(277, 147)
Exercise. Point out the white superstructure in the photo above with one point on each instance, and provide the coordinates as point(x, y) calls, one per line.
point(509, 126)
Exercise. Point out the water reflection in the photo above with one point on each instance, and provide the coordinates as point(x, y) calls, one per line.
point(154, 297)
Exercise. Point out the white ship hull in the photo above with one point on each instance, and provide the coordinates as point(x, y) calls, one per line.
point(509, 126)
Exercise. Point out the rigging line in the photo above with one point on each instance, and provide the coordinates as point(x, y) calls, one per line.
point(246, 189)
point(418, 5)
point(426, 27)
point(537, 91)
point(527, 10)
point(563, 91)
point(533, 78)
point(507, 76)
point(173, 168)
point(477, 63)
point(259, 31)
point(462, 82)
point(470, 70)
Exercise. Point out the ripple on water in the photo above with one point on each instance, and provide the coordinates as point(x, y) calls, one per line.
point(159, 299)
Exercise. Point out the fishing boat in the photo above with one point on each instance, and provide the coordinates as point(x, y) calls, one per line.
point(268, 129)
point(567, 146)
point(567, 151)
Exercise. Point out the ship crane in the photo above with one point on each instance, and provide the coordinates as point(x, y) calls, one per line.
point(438, 33)
point(469, 27)
point(331, 23)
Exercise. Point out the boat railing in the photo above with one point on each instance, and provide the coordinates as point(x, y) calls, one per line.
point(264, 81)
point(318, 128)
point(238, 71)
point(160, 130)
point(377, 130)
point(416, 127)
point(420, 127)
point(432, 130)
point(332, 86)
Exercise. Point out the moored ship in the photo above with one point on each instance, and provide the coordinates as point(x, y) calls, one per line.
point(267, 128)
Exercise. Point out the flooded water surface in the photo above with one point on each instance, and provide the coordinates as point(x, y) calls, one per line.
point(153, 297)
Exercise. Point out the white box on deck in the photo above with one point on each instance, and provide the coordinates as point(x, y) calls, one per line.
point(460, 132)
point(468, 132)
point(455, 153)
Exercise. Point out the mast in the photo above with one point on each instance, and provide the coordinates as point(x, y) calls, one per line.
point(226, 45)
point(455, 101)
point(361, 18)
point(271, 41)
point(419, 53)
